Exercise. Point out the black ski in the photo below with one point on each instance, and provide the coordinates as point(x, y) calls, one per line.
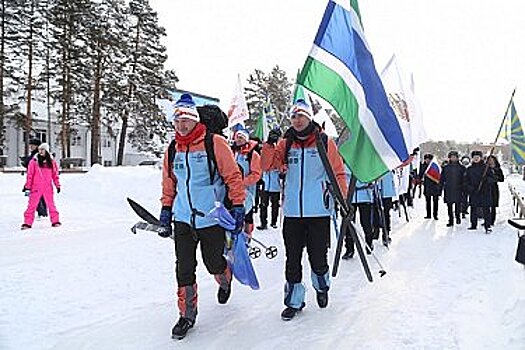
point(151, 222)
point(143, 213)
point(348, 212)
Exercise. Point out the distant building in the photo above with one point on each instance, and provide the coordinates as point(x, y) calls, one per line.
point(47, 129)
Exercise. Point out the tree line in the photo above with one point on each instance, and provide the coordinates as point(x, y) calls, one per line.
point(93, 63)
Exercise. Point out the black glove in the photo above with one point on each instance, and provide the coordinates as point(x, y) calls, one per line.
point(273, 136)
point(25, 189)
point(165, 221)
point(58, 189)
point(166, 232)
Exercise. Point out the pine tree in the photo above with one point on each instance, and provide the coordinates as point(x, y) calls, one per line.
point(108, 42)
point(10, 63)
point(273, 87)
point(147, 54)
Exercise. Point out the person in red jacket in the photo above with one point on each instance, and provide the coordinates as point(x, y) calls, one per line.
point(189, 193)
point(42, 173)
point(249, 161)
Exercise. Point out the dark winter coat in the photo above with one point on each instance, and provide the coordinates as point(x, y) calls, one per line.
point(479, 196)
point(498, 177)
point(25, 160)
point(452, 178)
point(431, 188)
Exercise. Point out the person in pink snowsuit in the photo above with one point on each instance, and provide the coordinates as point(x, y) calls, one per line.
point(42, 173)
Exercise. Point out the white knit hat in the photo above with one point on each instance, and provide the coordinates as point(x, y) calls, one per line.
point(44, 146)
point(300, 107)
point(186, 108)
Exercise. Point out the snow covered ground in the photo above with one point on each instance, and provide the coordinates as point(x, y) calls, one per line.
point(92, 284)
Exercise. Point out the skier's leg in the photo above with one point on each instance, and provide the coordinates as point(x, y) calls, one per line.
point(275, 197)
point(264, 209)
point(248, 223)
point(50, 200)
point(317, 239)
point(294, 241)
point(212, 249)
point(29, 214)
point(185, 266)
point(365, 218)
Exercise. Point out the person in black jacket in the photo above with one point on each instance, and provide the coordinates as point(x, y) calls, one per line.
point(478, 183)
point(498, 177)
point(465, 161)
point(432, 189)
point(33, 147)
point(451, 180)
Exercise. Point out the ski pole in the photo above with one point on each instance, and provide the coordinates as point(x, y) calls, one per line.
point(382, 270)
point(271, 251)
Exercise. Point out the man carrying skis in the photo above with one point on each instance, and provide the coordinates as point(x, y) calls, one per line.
point(189, 191)
point(306, 208)
point(249, 162)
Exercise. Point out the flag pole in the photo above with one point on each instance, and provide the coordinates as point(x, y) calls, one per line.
point(496, 140)
point(502, 122)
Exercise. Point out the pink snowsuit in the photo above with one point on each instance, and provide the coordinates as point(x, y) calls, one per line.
point(40, 182)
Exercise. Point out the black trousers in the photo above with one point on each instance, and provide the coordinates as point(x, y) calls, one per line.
point(387, 206)
point(492, 215)
point(266, 198)
point(454, 211)
point(212, 249)
point(474, 216)
point(432, 201)
point(365, 218)
point(312, 233)
point(42, 207)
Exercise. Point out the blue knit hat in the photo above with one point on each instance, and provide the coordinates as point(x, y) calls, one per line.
point(185, 108)
point(300, 107)
point(244, 133)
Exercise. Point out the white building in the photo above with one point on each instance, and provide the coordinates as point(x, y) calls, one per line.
point(48, 129)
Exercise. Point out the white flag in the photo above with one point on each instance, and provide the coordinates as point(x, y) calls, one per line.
point(238, 111)
point(405, 104)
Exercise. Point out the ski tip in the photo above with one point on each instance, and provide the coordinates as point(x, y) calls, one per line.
point(382, 273)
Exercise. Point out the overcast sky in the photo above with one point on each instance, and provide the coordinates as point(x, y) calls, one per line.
point(466, 55)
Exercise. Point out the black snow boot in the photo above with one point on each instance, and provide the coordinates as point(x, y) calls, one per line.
point(450, 223)
point(322, 299)
point(458, 221)
point(290, 313)
point(181, 328)
point(224, 294)
point(349, 254)
point(262, 227)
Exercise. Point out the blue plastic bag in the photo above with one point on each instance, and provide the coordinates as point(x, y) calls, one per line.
point(240, 262)
point(237, 251)
point(222, 216)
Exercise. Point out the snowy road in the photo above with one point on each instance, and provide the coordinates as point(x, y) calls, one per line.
point(91, 284)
